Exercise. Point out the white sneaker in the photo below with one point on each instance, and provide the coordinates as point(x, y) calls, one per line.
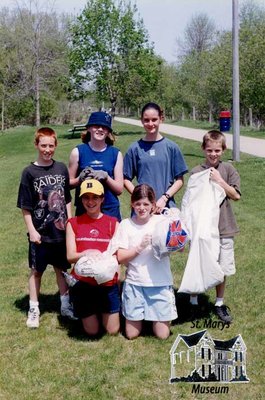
point(67, 311)
point(33, 318)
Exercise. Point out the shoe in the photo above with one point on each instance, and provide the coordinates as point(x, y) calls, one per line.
point(33, 318)
point(67, 311)
point(194, 312)
point(223, 313)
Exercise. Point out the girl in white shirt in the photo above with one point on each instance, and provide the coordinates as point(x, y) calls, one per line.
point(147, 291)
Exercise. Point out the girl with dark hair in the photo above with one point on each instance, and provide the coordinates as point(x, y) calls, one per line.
point(155, 160)
point(147, 291)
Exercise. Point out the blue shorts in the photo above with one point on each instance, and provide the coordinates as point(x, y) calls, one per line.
point(148, 303)
point(89, 300)
point(40, 255)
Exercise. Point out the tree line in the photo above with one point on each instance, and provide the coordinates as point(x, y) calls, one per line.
point(55, 68)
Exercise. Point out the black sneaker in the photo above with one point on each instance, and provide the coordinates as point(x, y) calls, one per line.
point(223, 313)
point(194, 312)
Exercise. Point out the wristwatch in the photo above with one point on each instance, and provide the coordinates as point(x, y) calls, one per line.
point(166, 195)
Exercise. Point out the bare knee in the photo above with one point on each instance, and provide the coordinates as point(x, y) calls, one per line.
point(161, 330)
point(162, 335)
point(111, 323)
point(91, 325)
point(133, 329)
point(113, 330)
point(35, 273)
point(131, 335)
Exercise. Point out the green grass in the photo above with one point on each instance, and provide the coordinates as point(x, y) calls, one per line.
point(57, 361)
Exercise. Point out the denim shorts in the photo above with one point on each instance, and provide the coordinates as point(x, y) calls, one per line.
point(40, 255)
point(226, 256)
point(148, 303)
point(89, 299)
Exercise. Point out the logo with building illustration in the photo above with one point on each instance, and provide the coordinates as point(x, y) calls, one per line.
point(200, 358)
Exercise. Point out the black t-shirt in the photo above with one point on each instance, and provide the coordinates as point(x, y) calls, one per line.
point(45, 191)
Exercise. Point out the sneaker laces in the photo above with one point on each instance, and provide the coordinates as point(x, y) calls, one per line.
point(33, 313)
point(225, 309)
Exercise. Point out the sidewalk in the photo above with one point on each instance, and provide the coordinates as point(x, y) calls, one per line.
point(255, 147)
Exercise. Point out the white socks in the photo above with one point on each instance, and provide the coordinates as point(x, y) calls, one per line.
point(219, 301)
point(194, 300)
point(65, 299)
point(33, 304)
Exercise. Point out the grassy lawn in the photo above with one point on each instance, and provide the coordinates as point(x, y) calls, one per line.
point(57, 361)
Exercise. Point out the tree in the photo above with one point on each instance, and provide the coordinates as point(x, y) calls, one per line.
point(10, 70)
point(44, 50)
point(110, 50)
point(252, 63)
point(199, 35)
point(37, 44)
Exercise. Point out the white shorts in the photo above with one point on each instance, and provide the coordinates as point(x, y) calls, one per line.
point(148, 303)
point(226, 256)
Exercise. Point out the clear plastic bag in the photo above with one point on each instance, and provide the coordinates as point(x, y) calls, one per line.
point(101, 267)
point(170, 235)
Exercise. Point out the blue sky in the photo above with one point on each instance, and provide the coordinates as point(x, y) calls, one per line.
point(165, 20)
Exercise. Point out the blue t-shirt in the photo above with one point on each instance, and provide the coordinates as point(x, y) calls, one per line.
point(157, 164)
point(98, 160)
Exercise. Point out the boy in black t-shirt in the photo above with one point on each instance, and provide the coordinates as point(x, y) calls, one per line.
point(45, 200)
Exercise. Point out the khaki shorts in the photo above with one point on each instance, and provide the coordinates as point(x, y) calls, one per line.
point(226, 256)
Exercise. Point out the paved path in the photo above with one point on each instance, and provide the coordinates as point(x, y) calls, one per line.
point(248, 145)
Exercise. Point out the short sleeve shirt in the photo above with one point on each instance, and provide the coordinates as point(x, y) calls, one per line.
point(157, 164)
point(45, 191)
point(144, 269)
point(227, 222)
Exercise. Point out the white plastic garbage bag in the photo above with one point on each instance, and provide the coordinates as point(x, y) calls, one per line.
point(170, 234)
point(102, 267)
point(200, 213)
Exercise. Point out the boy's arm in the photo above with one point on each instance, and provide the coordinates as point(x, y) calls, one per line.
point(73, 168)
point(69, 210)
point(34, 235)
point(229, 190)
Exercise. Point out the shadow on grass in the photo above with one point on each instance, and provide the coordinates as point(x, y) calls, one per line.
point(75, 330)
point(184, 310)
point(48, 303)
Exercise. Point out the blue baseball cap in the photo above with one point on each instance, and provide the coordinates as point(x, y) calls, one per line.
point(100, 118)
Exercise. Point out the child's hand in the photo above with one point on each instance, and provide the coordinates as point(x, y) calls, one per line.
point(35, 237)
point(100, 175)
point(146, 241)
point(160, 205)
point(85, 174)
point(215, 175)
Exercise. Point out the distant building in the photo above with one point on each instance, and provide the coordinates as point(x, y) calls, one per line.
point(199, 358)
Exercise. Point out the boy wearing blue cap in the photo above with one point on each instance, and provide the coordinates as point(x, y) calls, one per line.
point(97, 158)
